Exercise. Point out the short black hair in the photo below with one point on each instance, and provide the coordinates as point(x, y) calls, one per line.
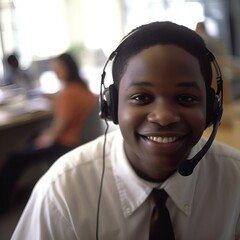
point(161, 33)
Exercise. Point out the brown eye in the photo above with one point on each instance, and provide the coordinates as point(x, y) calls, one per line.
point(141, 98)
point(187, 99)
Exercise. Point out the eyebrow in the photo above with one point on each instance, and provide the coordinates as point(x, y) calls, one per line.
point(188, 84)
point(181, 84)
point(142, 83)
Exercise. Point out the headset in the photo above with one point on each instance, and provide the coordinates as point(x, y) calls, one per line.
point(109, 109)
point(109, 106)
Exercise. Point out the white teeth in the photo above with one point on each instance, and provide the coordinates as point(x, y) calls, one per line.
point(162, 139)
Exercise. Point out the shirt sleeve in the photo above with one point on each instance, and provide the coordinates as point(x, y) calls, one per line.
point(41, 220)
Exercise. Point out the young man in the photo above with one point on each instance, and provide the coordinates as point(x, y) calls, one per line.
point(162, 100)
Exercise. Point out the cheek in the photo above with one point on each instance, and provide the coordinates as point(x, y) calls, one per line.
point(198, 115)
point(126, 117)
point(197, 119)
point(129, 117)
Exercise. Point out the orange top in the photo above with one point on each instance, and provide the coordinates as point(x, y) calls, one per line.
point(74, 104)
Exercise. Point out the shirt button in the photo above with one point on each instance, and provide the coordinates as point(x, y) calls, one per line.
point(128, 210)
point(186, 207)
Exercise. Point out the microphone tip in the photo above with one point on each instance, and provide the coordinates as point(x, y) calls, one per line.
point(185, 168)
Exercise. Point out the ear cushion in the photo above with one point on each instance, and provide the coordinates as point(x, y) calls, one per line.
point(109, 104)
point(212, 107)
point(113, 103)
point(103, 111)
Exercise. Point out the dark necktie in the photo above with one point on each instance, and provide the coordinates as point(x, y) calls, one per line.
point(160, 225)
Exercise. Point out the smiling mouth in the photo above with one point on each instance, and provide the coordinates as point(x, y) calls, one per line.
point(163, 139)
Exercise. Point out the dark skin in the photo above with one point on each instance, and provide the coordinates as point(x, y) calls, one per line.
point(162, 109)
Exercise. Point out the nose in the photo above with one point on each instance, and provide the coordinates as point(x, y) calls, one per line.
point(163, 114)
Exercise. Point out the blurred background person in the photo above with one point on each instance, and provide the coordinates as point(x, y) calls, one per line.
point(230, 69)
point(72, 105)
point(220, 50)
point(215, 45)
point(15, 74)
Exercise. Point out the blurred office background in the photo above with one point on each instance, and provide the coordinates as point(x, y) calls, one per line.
point(91, 29)
point(39, 30)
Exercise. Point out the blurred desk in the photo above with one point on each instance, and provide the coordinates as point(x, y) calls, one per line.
point(20, 121)
point(227, 136)
point(24, 111)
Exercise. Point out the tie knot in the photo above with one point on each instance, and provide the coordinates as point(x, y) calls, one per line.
point(159, 196)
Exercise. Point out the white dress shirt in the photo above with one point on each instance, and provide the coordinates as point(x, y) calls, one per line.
point(63, 205)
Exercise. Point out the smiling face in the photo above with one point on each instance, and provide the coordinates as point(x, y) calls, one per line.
point(162, 109)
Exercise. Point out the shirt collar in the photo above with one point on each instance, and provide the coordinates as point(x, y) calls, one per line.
point(133, 190)
point(180, 188)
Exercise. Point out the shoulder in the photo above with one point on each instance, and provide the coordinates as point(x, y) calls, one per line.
point(222, 159)
point(81, 162)
point(224, 151)
point(71, 88)
point(68, 193)
point(75, 177)
point(77, 90)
